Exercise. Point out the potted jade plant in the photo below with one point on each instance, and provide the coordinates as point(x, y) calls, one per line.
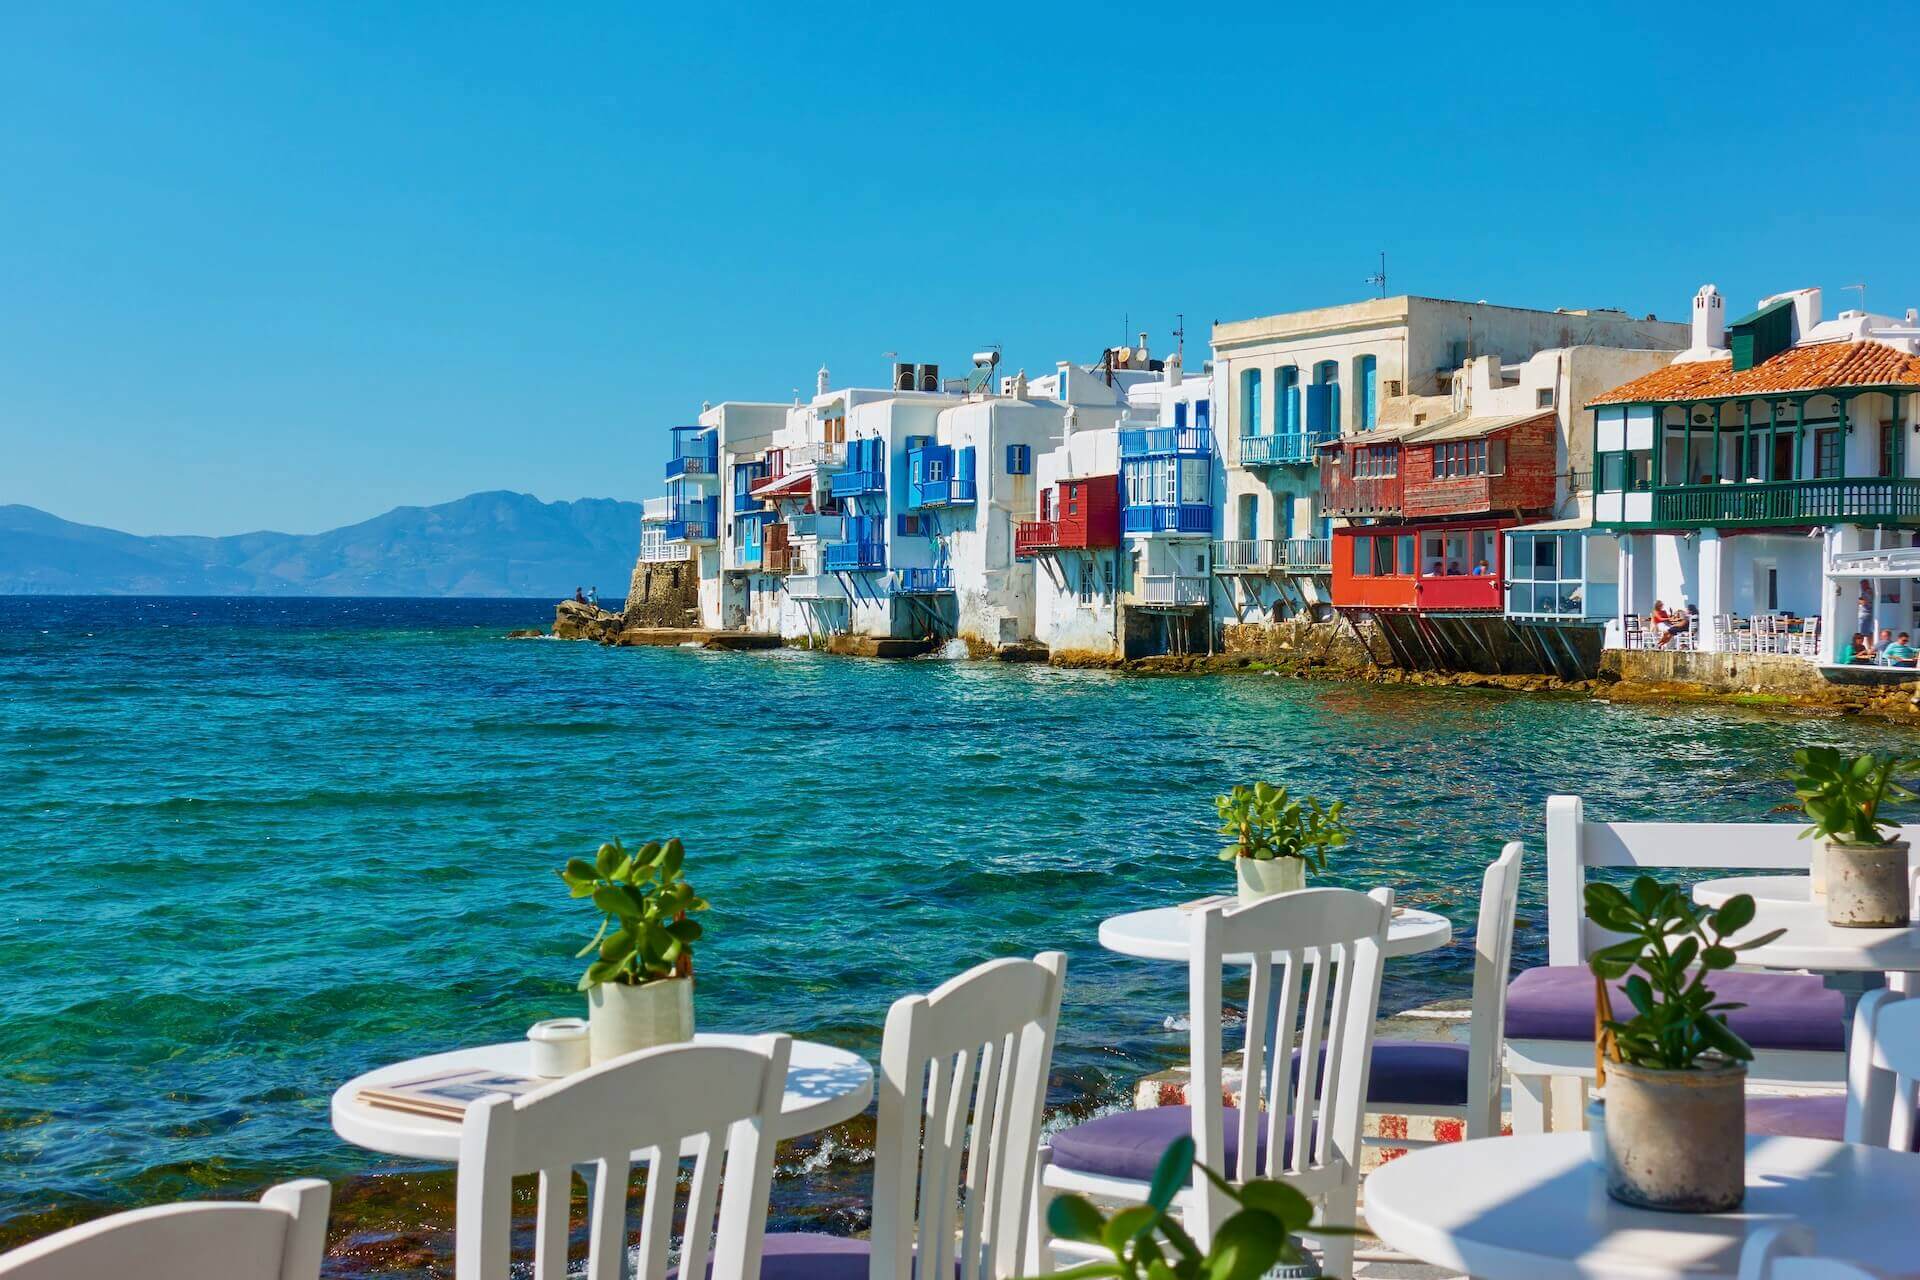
point(1673, 1071)
point(1257, 1241)
point(640, 984)
point(1277, 838)
point(1861, 873)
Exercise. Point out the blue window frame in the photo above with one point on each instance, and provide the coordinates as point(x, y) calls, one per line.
point(1366, 371)
point(1327, 374)
point(1250, 402)
point(1286, 400)
point(1019, 459)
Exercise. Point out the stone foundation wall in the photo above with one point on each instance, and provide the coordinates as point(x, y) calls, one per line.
point(1334, 643)
point(663, 594)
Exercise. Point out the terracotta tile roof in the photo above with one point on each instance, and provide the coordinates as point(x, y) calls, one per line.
point(1814, 368)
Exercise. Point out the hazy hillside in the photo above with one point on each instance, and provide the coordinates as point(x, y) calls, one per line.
point(486, 544)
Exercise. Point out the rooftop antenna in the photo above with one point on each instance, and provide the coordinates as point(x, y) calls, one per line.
point(1180, 334)
point(1380, 277)
point(889, 357)
point(1863, 293)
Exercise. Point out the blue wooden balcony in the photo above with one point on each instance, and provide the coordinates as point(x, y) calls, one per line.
point(1185, 517)
point(854, 484)
point(956, 492)
point(938, 475)
point(855, 557)
point(1147, 442)
point(923, 582)
point(693, 520)
point(745, 476)
point(1292, 448)
point(696, 452)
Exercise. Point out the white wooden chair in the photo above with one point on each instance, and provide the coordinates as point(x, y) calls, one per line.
point(1780, 1253)
point(1574, 846)
point(1315, 975)
point(280, 1237)
point(715, 1103)
point(1407, 1076)
point(1884, 1071)
point(963, 1081)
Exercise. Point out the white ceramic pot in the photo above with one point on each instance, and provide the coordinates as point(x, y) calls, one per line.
point(1677, 1140)
point(1867, 885)
point(1262, 878)
point(1597, 1131)
point(623, 1019)
point(1817, 868)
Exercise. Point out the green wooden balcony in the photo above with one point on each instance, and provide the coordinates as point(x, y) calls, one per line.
point(1790, 502)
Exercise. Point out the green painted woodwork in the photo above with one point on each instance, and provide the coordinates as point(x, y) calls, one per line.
point(1762, 335)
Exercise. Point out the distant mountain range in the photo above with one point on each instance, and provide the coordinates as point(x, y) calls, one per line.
point(485, 544)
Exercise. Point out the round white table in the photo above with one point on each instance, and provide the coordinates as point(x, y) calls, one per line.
point(1160, 933)
point(1809, 942)
point(1536, 1208)
point(825, 1086)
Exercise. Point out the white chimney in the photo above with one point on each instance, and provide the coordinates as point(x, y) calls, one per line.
point(821, 381)
point(1709, 319)
point(1020, 385)
point(1173, 369)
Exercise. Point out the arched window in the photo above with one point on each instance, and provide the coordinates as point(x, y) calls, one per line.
point(1250, 402)
point(1366, 382)
point(1286, 400)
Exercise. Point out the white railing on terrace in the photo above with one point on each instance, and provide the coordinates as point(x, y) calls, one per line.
point(818, 454)
point(1276, 555)
point(1888, 562)
point(1173, 589)
point(657, 509)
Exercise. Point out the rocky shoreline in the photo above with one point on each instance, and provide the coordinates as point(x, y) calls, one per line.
point(1323, 651)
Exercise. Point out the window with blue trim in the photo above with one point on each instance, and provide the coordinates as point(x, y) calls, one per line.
point(1286, 399)
point(1203, 414)
point(1327, 374)
point(1366, 370)
point(1019, 459)
point(1250, 402)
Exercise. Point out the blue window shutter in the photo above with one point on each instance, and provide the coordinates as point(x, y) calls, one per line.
point(1180, 413)
point(1320, 410)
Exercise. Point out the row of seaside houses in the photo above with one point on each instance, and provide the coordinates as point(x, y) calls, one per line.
point(1472, 479)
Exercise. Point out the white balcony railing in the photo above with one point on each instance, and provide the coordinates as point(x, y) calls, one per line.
point(1889, 562)
point(1172, 589)
point(656, 509)
point(821, 528)
point(818, 454)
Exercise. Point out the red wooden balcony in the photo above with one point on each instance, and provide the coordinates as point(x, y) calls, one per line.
point(1362, 479)
point(1480, 465)
point(1035, 537)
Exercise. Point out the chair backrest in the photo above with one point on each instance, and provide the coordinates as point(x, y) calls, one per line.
point(1575, 845)
point(1780, 1253)
point(1316, 962)
point(963, 1081)
point(281, 1237)
point(1492, 963)
point(714, 1102)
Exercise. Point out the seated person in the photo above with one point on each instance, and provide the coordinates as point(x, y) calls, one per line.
point(1885, 639)
point(1453, 568)
point(1679, 623)
point(1900, 653)
point(1857, 650)
point(1480, 570)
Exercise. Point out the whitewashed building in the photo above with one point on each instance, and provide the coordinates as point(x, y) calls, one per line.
point(1764, 477)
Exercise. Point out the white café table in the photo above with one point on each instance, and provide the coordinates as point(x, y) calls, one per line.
point(1851, 961)
point(825, 1086)
point(1536, 1208)
point(1160, 933)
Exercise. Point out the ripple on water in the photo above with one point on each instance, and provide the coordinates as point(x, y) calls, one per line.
point(254, 848)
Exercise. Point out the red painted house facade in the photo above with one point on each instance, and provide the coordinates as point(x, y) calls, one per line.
point(1435, 500)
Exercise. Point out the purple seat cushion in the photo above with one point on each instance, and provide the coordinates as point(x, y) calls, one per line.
point(1129, 1144)
point(1783, 1010)
point(805, 1255)
point(1811, 1117)
point(1418, 1073)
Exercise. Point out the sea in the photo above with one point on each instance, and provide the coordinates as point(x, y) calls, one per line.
point(252, 848)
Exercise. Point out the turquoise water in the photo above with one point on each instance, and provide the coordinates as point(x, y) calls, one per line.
point(251, 849)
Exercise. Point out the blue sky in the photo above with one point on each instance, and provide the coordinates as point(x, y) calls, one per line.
point(287, 266)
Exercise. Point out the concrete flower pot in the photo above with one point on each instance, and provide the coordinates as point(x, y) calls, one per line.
point(622, 1019)
point(1867, 885)
point(1263, 878)
point(1677, 1140)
